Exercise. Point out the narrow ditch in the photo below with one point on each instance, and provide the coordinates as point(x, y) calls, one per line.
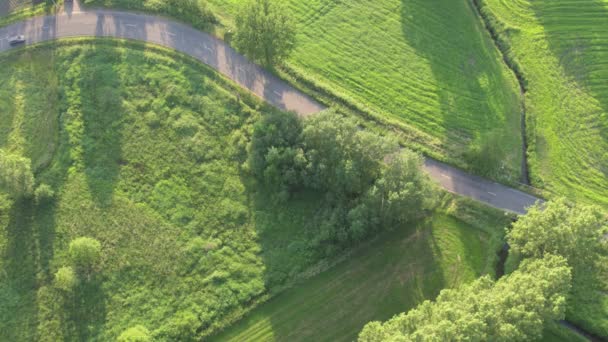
point(521, 80)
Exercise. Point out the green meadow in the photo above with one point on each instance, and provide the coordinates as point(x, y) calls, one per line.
point(561, 48)
point(142, 148)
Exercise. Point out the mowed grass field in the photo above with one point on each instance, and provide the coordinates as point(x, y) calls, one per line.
point(428, 67)
point(388, 276)
point(143, 149)
point(562, 48)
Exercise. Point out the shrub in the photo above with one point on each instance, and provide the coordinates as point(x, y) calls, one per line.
point(66, 279)
point(85, 253)
point(16, 176)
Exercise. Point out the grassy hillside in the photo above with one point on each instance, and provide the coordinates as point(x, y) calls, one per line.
point(561, 47)
point(143, 149)
point(427, 67)
point(392, 274)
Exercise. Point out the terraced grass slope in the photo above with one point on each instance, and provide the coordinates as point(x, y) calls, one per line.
point(429, 67)
point(562, 49)
point(143, 149)
point(389, 276)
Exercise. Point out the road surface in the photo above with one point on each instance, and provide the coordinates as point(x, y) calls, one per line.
point(73, 22)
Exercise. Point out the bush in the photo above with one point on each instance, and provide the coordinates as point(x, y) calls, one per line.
point(66, 279)
point(85, 253)
point(44, 194)
point(16, 176)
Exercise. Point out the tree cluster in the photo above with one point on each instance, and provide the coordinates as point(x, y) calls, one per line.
point(578, 234)
point(511, 309)
point(368, 182)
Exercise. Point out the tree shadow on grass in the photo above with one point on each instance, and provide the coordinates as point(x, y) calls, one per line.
point(86, 311)
point(102, 119)
point(466, 76)
point(29, 250)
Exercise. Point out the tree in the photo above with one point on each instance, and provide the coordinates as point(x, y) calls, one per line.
point(574, 232)
point(265, 31)
point(512, 309)
point(85, 253)
point(405, 190)
point(137, 333)
point(16, 176)
point(65, 279)
point(342, 159)
point(401, 194)
point(577, 233)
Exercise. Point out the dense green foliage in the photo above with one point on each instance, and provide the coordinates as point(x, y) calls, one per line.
point(576, 233)
point(16, 177)
point(368, 183)
point(512, 309)
point(560, 47)
point(396, 272)
point(194, 12)
point(428, 67)
point(85, 253)
point(265, 31)
point(66, 279)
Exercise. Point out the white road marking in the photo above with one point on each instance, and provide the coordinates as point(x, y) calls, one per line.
point(277, 93)
point(206, 47)
point(170, 33)
point(130, 25)
point(491, 193)
point(444, 175)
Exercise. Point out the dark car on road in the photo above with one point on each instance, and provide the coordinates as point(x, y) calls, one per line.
point(16, 40)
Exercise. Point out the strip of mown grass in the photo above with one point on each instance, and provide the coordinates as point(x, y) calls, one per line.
point(561, 48)
point(392, 274)
point(143, 148)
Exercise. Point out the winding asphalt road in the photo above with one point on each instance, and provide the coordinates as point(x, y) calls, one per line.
point(72, 22)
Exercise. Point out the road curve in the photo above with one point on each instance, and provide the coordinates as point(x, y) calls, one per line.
point(220, 56)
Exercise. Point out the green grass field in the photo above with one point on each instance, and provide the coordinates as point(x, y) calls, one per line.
point(562, 48)
point(142, 147)
point(390, 275)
